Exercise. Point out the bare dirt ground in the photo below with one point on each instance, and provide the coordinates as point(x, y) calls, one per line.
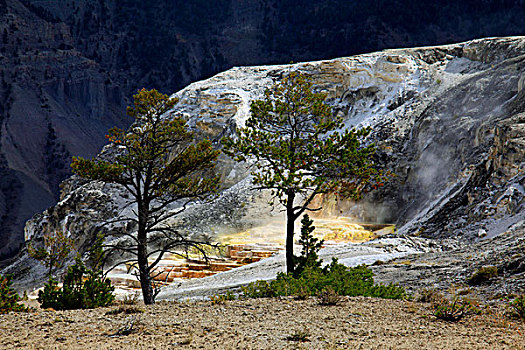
point(355, 323)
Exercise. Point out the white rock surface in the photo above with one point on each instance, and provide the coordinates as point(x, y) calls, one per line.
point(349, 254)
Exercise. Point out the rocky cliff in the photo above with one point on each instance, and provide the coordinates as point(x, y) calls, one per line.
point(54, 103)
point(448, 121)
point(67, 67)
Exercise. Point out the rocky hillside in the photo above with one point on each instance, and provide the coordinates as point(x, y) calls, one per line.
point(448, 121)
point(67, 67)
point(54, 102)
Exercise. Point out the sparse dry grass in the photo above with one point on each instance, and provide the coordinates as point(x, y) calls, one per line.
point(261, 324)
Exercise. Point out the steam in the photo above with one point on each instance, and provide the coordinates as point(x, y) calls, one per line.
point(364, 211)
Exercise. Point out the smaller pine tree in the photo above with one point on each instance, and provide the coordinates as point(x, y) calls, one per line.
point(97, 254)
point(53, 254)
point(9, 297)
point(311, 247)
point(82, 288)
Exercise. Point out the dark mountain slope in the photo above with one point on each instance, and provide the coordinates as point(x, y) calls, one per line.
point(54, 103)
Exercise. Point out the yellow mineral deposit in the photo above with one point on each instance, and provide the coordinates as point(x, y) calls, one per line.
point(341, 229)
point(272, 232)
point(250, 246)
point(334, 229)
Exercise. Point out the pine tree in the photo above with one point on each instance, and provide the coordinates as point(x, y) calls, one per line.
point(310, 247)
point(9, 298)
point(159, 163)
point(82, 288)
point(53, 254)
point(299, 153)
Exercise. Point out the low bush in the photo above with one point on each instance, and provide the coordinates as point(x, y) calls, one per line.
point(482, 275)
point(309, 279)
point(299, 335)
point(9, 298)
point(125, 309)
point(351, 281)
point(82, 289)
point(222, 298)
point(302, 294)
point(517, 307)
point(455, 309)
point(329, 296)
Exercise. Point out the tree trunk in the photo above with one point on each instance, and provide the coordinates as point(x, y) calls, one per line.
point(290, 220)
point(145, 278)
point(142, 256)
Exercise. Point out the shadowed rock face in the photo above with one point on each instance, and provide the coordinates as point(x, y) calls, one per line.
point(67, 67)
point(54, 103)
point(453, 139)
point(448, 121)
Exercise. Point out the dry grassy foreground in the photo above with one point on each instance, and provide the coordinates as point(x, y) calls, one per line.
point(357, 323)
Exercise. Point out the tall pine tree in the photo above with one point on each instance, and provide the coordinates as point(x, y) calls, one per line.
point(159, 163)
point(300, 152)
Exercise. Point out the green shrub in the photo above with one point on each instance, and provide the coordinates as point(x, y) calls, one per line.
point(328, 296)
point(258, 289)
point(517, 307)
point(453, 310)
point(351, 281)
point(302, 293)
point(482, 275)
point(222, 298)
point(299, 335)
point(82, 289)
point(309, 279)
point(9, 297)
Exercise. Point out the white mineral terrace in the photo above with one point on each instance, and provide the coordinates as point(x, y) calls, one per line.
point(257, 254)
